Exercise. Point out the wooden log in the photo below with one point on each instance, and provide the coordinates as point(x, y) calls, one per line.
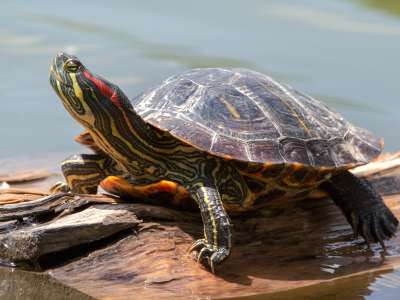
point(37, 206)
point(92, 224)
point(12, 196)
point(287, 245)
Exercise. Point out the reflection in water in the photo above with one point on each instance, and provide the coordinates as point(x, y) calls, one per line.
point(176, 54)
point(375, 286)
point(23, 40)
point(15, 284)
point(331, 20)
point(388, 6)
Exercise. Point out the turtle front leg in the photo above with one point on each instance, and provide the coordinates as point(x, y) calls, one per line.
point(83, 173)
point(362, 206)
point(216, 244)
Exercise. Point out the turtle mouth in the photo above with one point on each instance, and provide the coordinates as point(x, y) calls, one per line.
point(56, 77)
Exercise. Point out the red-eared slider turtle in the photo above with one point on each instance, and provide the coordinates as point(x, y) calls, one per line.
point(234, 139)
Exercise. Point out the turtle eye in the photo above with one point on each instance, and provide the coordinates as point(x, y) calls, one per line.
point(72, 65)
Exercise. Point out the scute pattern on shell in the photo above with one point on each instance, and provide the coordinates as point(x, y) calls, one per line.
point(249, 116)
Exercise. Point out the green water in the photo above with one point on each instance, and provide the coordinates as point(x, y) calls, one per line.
point(373, 286)
point(21, 285)
point(343, 52)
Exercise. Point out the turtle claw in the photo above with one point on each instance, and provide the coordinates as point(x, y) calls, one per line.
point(197, 244)
point(375, 226)
point(59, 187)
point(213, 254)
point(211, 264)
point(203, 253)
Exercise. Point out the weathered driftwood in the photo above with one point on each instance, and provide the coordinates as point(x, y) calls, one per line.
point(44, 205)
point(284, 246)
point(24, 176)
point(91, 224)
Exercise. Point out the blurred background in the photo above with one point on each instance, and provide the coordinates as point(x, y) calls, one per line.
point(343, 52)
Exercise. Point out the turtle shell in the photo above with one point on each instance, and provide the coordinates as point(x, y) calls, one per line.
point(248, 116)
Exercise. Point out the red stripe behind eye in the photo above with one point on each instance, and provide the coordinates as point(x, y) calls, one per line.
point(105, 90)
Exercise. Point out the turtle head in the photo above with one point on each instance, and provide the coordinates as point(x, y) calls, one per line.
point(86, 96)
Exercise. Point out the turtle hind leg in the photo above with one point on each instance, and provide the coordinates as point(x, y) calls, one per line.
point(216, 244)
point(362, 206)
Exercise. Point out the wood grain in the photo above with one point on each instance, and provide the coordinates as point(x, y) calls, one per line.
point(285, 246)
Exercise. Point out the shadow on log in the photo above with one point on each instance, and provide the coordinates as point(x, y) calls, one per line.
point(114, 250)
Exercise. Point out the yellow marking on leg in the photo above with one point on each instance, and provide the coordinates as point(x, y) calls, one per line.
point(82, 177)
point(214, 225)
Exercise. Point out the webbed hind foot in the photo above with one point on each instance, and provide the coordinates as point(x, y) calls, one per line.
point(374, 224)
point(363, 207)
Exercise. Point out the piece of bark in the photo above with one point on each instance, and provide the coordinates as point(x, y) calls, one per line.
point(13, 196)
point(92, 224)
point(68, 203)
point(384, 163)
point(24, 176)
point(47, 205)
point(384, 174)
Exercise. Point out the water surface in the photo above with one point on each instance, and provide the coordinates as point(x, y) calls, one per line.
point(373, 286)
point(22, 285)
point(342, 52)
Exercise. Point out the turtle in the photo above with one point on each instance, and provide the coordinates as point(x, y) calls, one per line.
point(233, 139)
